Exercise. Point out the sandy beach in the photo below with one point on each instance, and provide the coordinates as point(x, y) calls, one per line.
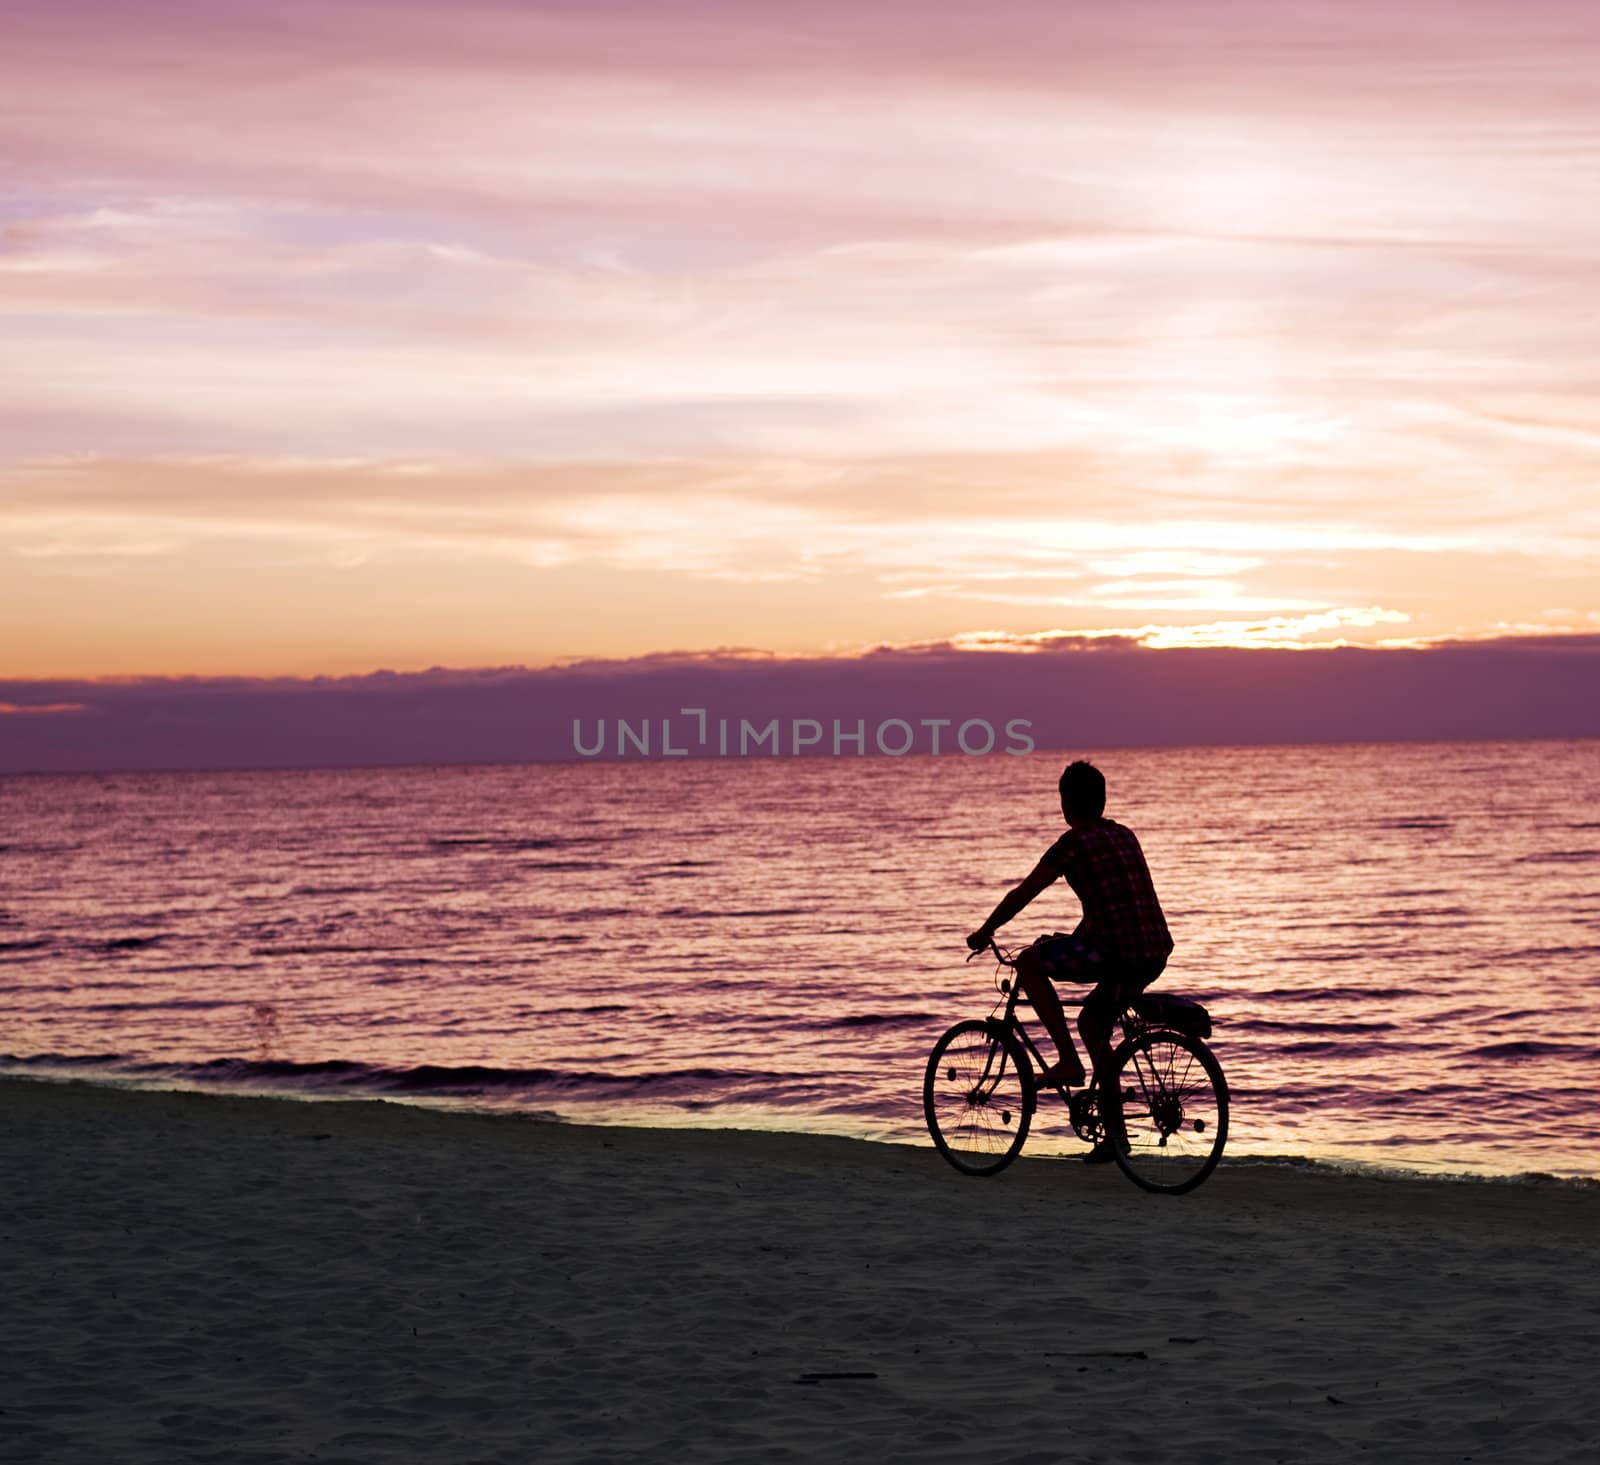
point(203, 1278)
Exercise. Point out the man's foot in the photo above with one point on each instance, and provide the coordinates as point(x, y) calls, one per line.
point(1058, 1074)
point(1102, 1154)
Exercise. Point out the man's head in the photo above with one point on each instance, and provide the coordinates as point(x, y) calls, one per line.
point(1083, 793)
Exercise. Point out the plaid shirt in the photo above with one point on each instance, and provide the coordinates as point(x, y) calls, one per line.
point(1104, 865)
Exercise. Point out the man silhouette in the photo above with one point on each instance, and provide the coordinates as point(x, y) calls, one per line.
point(1121, 944)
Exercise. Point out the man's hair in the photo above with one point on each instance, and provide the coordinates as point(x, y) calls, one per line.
point(1083, 789)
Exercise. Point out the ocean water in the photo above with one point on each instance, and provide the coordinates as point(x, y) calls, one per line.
point(1399, 944)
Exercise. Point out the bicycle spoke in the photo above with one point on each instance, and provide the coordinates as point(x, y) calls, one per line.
point(975, 1099)
point(1173, 1119)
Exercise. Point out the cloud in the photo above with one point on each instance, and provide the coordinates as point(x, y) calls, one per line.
point(40, 709)
point(1076, 693)
point(1273, 632)
point(898, 549)
point(755, 519)
point(834, 320)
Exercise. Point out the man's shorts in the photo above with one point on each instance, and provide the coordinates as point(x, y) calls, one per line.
point(1067, 958)
point(1070, 959)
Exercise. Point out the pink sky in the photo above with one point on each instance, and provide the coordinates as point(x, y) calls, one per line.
point(386, 335)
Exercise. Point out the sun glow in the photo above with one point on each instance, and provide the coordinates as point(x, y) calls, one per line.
point(1236, 187)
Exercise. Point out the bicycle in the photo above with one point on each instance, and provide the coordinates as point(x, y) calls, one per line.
point(1163, 1103)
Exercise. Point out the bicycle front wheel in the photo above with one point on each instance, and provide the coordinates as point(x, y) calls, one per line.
point(977, 1096)
point(1168, 1120)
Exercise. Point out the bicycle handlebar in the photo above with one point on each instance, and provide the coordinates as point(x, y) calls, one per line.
point(1000, 956)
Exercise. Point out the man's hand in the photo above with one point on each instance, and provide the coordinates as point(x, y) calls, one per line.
point(979, 938)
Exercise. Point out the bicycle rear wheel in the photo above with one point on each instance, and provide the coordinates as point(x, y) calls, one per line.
point(1167, 1118)
point(977, 1096)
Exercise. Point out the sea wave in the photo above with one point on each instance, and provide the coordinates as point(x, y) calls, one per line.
point(507, 844)
point(869, 1020)
point(337, 1075)
point(1535, 1048)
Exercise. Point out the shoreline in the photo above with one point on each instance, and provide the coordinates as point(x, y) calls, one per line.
point(204, 1276)
point(1449, 1171)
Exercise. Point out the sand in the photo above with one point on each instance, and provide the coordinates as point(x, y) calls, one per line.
point(194, 1277)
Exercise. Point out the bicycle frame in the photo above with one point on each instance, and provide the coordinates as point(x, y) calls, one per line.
point(1129, 1022)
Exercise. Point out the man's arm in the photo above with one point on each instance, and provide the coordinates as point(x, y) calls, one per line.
point(1013, 902)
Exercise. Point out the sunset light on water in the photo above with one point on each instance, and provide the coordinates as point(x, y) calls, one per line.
point(1356, 921)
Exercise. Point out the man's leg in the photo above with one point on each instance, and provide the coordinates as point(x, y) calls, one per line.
point(1103, 1006)
point(1096, 1020)
point(1038, 989)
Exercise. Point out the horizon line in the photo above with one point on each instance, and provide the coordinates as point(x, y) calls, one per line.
point(768, 758)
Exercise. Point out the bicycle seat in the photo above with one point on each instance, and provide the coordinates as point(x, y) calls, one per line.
point(1182, 1014)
